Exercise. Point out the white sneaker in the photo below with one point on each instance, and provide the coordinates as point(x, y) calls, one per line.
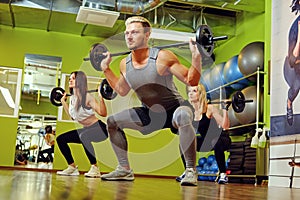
point(190, 178)
point(70, 171)
point(223, 179)
point(179, 178)
point(120, 174)
point(93, 172)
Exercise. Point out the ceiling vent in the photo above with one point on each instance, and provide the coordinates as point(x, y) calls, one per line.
point(92, 12)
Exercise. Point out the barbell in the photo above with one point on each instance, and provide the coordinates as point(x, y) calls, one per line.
point(106, 91)
point(204, 40)
point(238, 102)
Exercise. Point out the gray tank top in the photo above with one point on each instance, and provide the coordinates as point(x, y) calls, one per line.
point(150, 87)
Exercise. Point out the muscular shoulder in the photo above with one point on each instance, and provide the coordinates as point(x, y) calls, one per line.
point(167, 56)
point(165, 60)
point(123, 65)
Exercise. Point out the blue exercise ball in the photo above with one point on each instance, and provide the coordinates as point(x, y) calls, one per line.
point(211, 159)
point(217, 81)
point(198, 168)
point(250, 58)
point(202, 161)
point(205, 79)
point(214, 167)
point(231, 72)
point(206, 166)
point(216, 76)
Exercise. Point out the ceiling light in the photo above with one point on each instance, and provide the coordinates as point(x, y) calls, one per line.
point(224, 4)
point(97, 17)
point(235, 3)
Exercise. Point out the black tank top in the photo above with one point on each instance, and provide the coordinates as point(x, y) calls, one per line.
point(202, 125)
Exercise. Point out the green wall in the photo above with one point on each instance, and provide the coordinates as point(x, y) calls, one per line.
point(8, 135)
point(144, 150)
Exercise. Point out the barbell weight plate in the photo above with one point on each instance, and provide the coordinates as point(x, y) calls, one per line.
point(96, 55)
point(107, 91)
point(238, 102)
point(204, 39)
point(55, 96)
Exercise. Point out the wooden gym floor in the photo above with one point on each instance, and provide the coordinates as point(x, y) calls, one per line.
point(23, 184)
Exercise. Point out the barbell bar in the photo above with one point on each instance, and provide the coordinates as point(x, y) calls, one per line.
point(204, 40)
point(105, 89)
point(238, 102)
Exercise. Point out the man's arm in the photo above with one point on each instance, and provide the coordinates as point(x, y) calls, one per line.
point(189, 76)
point(119, 84)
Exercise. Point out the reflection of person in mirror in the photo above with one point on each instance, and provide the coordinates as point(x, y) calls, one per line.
point(149, 72)
point(45, 155)
point(82, 108)
point(218, 140)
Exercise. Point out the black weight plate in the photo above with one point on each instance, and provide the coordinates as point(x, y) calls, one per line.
point(238, 102)
point(204, 39)
point(106, 90)
point(55, 96)
point(96, 55)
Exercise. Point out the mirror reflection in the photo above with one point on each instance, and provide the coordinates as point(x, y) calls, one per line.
point(10, 80)
point(37, 119)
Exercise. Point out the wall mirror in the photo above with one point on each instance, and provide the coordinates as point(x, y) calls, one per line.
point(34, 147)
point(10, 86)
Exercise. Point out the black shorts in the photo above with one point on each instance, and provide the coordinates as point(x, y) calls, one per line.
point(153, 121)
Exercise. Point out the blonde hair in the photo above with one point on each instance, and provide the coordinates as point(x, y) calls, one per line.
point(202, 98)
point(146, 24)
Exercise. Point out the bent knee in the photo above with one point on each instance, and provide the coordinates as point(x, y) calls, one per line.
point(182, 116)
point(111, 124)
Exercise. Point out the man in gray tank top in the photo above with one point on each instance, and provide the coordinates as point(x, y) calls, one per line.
point(149, 72)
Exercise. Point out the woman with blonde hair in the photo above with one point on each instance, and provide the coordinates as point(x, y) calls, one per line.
point(217, 139)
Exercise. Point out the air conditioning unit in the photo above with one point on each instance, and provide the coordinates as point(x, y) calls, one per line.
point(91, 12)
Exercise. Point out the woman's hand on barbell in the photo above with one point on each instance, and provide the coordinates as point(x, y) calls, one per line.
point(225, 105)
point(63, 98)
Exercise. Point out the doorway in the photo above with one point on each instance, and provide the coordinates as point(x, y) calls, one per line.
point(41, 74)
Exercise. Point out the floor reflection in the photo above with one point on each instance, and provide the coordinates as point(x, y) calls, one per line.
point(33, 185)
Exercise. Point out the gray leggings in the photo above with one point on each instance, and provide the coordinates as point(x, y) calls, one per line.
point(85, 136)
point(144, 120)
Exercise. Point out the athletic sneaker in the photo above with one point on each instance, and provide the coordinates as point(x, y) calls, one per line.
point(179, 178)
point(289, 115)
point(223, 179)
point(70, 171)
point(120, 174)
point(93, 172)
point(190, 178)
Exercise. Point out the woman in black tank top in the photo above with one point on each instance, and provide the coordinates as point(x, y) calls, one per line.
point(210, 133)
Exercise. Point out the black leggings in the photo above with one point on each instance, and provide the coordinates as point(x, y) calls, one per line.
point(85, 136)
point(49, 157)
point(223, 144)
